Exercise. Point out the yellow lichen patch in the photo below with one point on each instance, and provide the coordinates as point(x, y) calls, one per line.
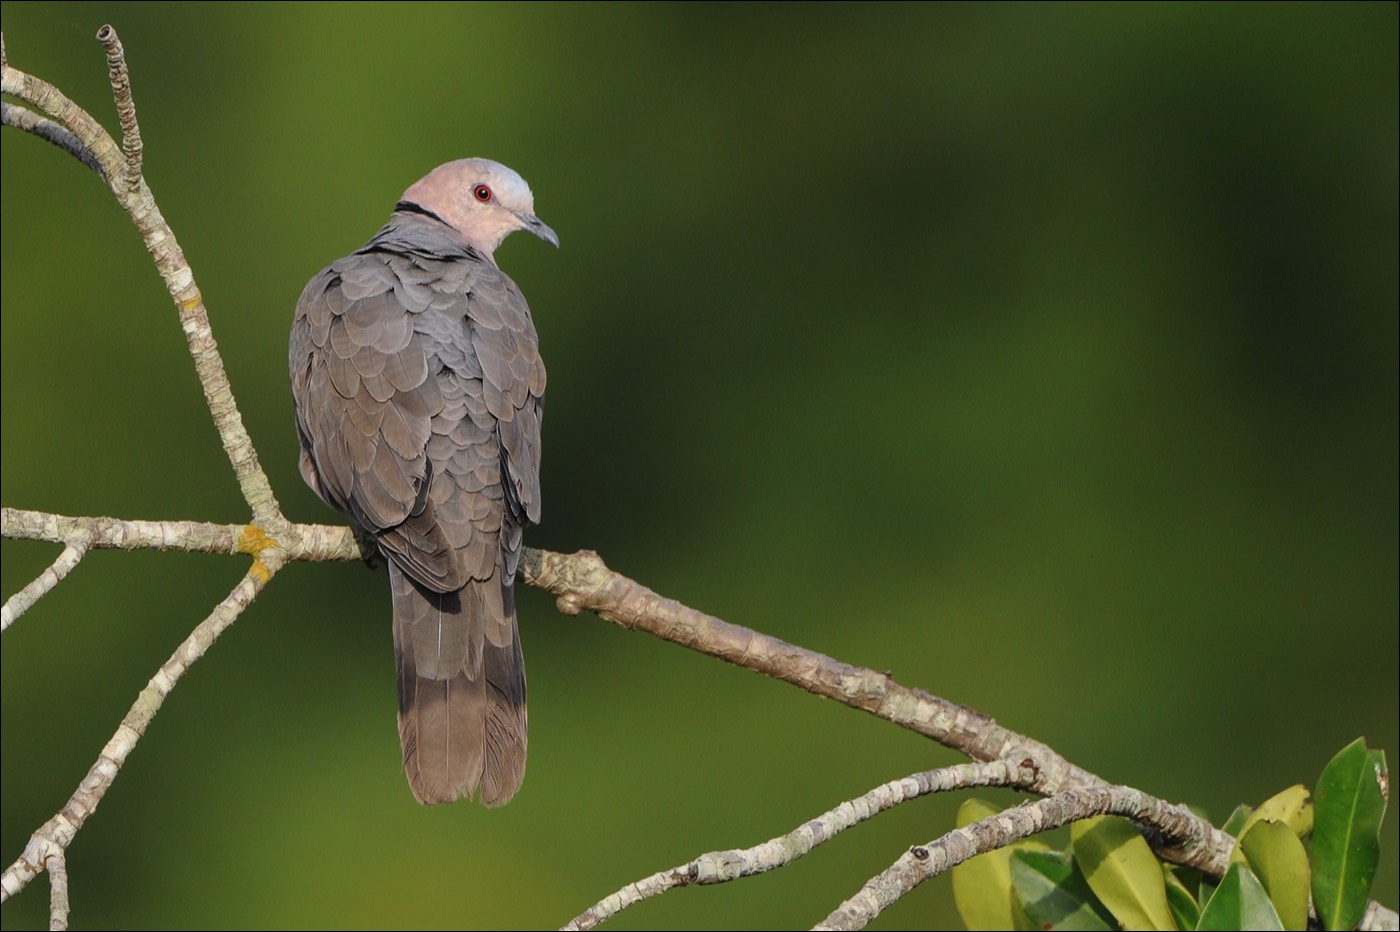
point(189, 304)
point(260, 572)
point(253, 541)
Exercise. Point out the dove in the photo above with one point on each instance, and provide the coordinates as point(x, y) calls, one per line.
point(419, 392)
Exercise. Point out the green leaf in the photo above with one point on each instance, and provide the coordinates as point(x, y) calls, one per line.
point(1122, 871)
point(1240, 902)
point(1179, 900)
point(1237, 819)
point(1293, 807)
point(982, 885)
point(1351, 797)
point(1055, 894)
point(1207, 890)
point(1276, 856)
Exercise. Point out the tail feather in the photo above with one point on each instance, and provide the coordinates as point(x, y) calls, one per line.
point(507, 717)
point(462, 703)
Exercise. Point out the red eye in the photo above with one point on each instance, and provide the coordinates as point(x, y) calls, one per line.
point(482, 193)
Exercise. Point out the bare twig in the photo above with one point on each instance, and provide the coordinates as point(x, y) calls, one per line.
point(57, 866)
point(724, 866)
point(921, 862)
point(17, 604)
point(49, 131)
point(55, 835)
point(122, 168)
point(1379, 918)
point(132, 148)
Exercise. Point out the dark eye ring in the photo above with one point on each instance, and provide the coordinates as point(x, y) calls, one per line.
point(482, 193)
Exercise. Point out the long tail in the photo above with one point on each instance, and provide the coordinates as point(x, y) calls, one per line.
point(462, 710)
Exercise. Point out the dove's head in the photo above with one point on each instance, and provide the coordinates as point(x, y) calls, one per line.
point(482, 200)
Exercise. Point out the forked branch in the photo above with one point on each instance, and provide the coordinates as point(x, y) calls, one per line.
point(580, 581)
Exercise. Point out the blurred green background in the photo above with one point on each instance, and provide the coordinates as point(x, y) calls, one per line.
point(1043, 355)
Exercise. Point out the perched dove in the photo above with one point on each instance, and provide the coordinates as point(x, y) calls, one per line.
point(419, 391)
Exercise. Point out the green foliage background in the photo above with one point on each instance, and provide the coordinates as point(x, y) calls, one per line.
point(1044, 355)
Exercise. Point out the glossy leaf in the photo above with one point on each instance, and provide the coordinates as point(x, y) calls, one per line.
point(1240, 902)
point(982, 885)
point(1351, 798)
point(1276, 856)
point(1293, 807)
point(1122, 871)
point(1054, 894)
point(1238, 818)
point(1185, 910)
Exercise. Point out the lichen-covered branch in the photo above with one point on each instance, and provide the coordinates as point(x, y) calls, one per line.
point(132, 149)
point(583, 581)
point(30, 122)
point(921, 862)
point(1379, 918)
point(17, 604)
point(580, 581)
point(724, 866)
point(122, 169)
point(57, 866)
point(315, 542)
point(54, 836)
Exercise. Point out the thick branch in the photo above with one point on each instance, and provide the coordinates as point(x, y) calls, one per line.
point(316, 542)
point(582, 581)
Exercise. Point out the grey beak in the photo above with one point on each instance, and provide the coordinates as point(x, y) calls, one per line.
point(538, 227)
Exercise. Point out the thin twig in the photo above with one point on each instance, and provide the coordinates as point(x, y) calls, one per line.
point(122, 169)
point(132, 148)
point(1379, 918)
point(17, 604)
point(25, 119)
point(723, 866)
point(921, 862)
point(57, 866)
point(58, 833)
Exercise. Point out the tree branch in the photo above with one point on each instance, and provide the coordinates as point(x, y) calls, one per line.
point(20, 602)
point(132, 149)
point(122, 170)
point(724, 866)
point(314, 542)
point(924, 861)
point(57, 866)
point(54, 836)
point(580, 581)
point(49, 131)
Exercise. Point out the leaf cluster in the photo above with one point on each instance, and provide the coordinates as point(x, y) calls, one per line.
point(1295, 845)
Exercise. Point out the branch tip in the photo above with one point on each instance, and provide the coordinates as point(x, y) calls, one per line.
point(22, 118)
point(132, 147)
